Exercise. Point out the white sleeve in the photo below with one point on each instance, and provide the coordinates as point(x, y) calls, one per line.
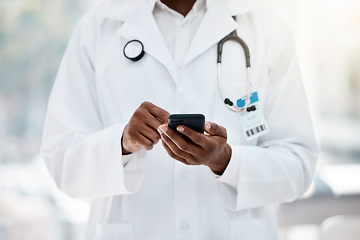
point(83, 156)
point(280, 168)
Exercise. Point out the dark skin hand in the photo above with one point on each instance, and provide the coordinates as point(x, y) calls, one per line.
point(141, 131)
point(208, 149)
point(149, 123)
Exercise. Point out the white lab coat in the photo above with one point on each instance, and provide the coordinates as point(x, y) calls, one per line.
point(153, 196)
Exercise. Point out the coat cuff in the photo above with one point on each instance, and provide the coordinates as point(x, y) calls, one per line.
point(134, 170)
point(228, 180)
point(231, 173)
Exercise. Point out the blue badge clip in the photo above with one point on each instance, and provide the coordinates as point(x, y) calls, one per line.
point(253, 99)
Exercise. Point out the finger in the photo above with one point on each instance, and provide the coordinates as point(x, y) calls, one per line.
point(173, 155)
point(143, 141)
point(152, 121)
point(142, 116)
point(159, 113)
point(176, 150)
point(215, 130)
point(150, 133)
point(178, 140)
point(195, 136)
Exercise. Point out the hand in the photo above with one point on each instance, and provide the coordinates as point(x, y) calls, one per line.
point(141, 131)
point(208, 149)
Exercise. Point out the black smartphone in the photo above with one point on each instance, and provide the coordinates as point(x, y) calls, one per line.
point(194, 121)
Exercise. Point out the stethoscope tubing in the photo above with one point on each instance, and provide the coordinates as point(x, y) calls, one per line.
point(233, 36)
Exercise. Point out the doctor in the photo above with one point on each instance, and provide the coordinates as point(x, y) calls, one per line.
point(107, 113)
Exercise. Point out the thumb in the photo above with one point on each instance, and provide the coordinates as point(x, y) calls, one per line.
point(215, 129)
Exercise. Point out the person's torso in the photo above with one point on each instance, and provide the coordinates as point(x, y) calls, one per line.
point(177, 201)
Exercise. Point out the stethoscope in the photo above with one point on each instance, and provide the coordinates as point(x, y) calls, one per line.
point(233, 36)
point(134, 50)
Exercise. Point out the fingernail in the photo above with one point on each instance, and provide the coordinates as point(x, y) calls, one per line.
point(162, 129)
point(180, 129)
point(208, 125)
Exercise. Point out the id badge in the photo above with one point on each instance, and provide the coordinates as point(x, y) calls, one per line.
point(253, 123)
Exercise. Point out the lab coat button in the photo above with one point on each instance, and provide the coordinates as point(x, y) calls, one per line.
point(184, 226)
point(179, 66)
point(184, 173)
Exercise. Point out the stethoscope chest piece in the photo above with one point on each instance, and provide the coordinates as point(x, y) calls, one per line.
point(134, 50)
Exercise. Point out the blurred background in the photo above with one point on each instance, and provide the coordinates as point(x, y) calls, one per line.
point(33, 37)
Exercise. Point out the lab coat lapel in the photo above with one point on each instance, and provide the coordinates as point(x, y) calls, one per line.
point(141, 25)
point(216, 24)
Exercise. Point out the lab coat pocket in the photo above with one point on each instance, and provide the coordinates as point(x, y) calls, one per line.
point(248, 230)
point(114, 232)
